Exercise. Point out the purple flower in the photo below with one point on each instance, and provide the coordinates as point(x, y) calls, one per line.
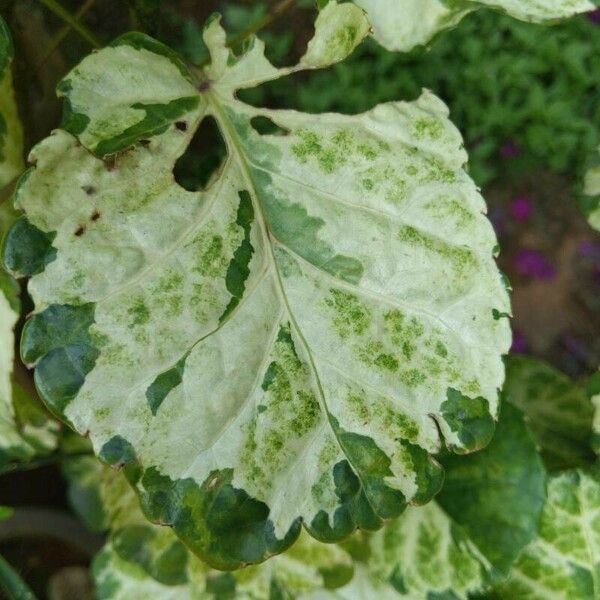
point(589, 249)
point(574, 346)
point(594, 16)
point(496, 216)
point(532, 263)
point(520, 208)
point(509, 149)
point(519, 343)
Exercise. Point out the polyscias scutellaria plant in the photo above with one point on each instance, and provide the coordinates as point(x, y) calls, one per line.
point(301, 363)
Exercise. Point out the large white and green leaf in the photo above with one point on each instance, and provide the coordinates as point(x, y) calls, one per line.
point(564, 561)
point(559, 410)
point(404, 24)
point(289, 345)
point(592, 189)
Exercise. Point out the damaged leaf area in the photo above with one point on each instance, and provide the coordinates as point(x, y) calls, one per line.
point(404, 24)
point(285, 348)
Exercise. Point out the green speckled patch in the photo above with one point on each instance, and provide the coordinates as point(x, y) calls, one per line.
point(469, 418)
point(276, 349)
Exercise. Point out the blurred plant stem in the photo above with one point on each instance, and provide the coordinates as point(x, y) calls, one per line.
point(62, 34)
point(73, 21)
point(12, 584)
point(51, 459)
point(277, 11)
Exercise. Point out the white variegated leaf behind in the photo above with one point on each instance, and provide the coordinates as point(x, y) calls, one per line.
point(404, 24)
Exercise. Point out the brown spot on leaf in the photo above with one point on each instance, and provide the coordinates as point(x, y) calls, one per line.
point(90, 190)
point(95, 216)
point(80, 230)
point(181, 125)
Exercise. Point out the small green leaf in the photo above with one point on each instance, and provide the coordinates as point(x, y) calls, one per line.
point(486, 513)
point(496, 496)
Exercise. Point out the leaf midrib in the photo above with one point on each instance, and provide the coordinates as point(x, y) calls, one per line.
point(235, 145)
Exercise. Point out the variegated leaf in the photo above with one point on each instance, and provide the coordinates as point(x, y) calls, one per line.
point(24, 428)
point(404, 24)
point(486, 513)
point(146, 561)
point(559, 410)
point(141, 560)
point(592, 189)
point(289, 345)
point(563, 563)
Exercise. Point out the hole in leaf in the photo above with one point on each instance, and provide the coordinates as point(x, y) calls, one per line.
point(203, 155)
point(181, 125)
point(266, 126)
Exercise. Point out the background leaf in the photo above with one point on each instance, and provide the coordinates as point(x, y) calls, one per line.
point(559, 410)
point(404, 24)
